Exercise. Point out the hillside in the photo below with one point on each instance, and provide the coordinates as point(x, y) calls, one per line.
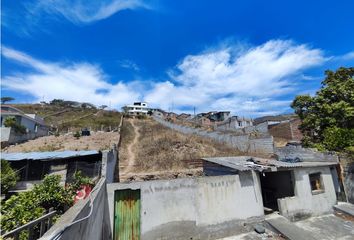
point(150, 150)
point(68, 118)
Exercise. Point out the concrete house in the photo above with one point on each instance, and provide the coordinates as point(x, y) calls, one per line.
point(218, 116)
point(35, 126)
point(233, 123)
point(137, 108)
point(234, 191)
point(297, 190)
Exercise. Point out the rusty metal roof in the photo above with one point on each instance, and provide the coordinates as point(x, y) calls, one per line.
point(246, 163)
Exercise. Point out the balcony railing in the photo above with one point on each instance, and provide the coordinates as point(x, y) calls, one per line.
point(44, 222)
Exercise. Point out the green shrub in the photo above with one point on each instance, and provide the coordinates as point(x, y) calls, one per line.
point(12, 123)
point(27, 206)
point(8, 176)
point(79, 181)
point(77, 135)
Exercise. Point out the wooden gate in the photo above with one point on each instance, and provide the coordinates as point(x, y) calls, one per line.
point(127, 215)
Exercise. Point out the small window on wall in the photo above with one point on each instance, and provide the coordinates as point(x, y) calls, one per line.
point(316, 183)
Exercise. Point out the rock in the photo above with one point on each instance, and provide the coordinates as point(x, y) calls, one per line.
point(259, 228)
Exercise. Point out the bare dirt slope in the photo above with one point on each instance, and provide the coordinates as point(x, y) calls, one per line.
point(151, 151)
point(97, 141)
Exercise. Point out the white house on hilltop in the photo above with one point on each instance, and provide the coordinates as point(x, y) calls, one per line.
point(138, 108)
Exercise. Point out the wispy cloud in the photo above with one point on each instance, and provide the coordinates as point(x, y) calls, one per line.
point(31, 16)
point(345, 57)
point(248, 81)
point(77, 81)
point(128, 64)
point(84, 11)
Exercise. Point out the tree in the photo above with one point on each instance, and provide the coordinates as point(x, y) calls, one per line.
point(59, 102)
point(103, 107)
point(328, 117)
point(6, 99)
point(8, 176)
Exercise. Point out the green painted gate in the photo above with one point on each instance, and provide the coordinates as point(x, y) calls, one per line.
point(127, 215)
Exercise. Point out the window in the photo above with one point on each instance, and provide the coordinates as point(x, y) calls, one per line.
point(316, 183)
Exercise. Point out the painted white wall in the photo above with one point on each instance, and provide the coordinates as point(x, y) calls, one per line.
point(167, 201)
point(29, 124)
point(304, 202)
point(228, 198)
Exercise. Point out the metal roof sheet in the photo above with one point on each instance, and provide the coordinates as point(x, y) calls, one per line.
point(45, 155)
point(245, 163)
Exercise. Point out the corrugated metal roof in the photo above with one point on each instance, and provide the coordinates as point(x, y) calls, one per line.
point(45, 155)
point(245, 163)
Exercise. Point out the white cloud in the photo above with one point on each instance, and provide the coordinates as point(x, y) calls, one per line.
point(345, 57)
point(128, 64)
point(248, 81)
point(84, 11)
point(82, 82)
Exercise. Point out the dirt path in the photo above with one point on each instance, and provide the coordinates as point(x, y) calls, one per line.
point(130, 151)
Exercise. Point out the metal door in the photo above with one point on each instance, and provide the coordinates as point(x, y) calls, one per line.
point(127, 215)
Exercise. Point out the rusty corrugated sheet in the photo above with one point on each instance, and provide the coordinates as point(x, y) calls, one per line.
point(127, 215)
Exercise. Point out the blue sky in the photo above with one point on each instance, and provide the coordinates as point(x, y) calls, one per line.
point(250, 57)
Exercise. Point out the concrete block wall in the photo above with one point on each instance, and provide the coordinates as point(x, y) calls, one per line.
point(195, 208)
point(109, 163)
point(305, 204)
point(261, 144)
point(9, 136)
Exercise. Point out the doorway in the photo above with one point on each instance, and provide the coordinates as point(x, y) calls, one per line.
point(126, 215)
point(275, 185)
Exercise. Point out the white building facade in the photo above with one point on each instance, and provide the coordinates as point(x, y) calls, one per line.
point(138, 108)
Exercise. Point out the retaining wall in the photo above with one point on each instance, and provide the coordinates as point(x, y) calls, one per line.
point(252, 143)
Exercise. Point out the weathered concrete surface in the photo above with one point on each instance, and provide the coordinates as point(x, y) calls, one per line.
point(328, 227)
point(95, 227)
point(305, 204)
point(347, 165)
point(304, 154)
point(109, 162)
point(288, 229)
point(344, 207)
point(197, 208)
